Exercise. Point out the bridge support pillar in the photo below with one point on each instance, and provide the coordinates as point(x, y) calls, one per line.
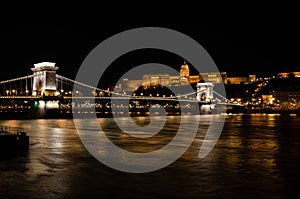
point(205, 109)
point(44, 79)
point(205, 91)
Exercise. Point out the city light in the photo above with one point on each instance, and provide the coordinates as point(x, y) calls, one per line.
point(257, 92)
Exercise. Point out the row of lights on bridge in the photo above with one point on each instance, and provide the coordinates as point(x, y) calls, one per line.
point(14, 92)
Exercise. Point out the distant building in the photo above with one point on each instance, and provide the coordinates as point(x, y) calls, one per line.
point(130, 85)
point(193, 79)
point(252, 78)
point(287, 99)
point(268, 99)
point(236, 80)
point(214, 77)
point(175, 80)
point(290, 74)
point(239, 80)
point(156, 79)
point(184, 78)
point(184, 70)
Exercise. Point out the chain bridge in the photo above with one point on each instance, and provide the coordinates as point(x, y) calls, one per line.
point(45, 90)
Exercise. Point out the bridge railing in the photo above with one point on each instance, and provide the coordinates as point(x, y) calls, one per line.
point(20, 96)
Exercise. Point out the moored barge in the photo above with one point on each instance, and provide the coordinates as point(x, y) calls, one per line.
point(13, 139)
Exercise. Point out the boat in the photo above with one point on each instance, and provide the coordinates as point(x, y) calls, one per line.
point(13, 139)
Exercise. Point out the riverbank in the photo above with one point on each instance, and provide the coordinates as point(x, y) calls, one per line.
point(89, 113)
point(270, 111)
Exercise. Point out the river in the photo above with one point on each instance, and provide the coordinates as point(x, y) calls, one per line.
point(256, 156)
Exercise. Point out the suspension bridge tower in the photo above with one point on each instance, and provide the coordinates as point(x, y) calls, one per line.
point(205, 91)
point(44, 79)
point(205, 95)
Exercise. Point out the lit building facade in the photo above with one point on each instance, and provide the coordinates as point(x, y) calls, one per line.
point(184, 78)
point(175, 80)
point(193, 79)
point(236, 80)
point(214, 77)
point(287, 99)
point(268, 99)
point(287, 75)
point(252, 78)
point(156, 79)
point(130, 85)
point(184, 70)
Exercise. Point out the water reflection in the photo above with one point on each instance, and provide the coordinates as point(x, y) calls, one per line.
point(251, 141)
point(256, 156)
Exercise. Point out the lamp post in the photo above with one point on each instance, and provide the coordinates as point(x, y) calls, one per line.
point(13, 104)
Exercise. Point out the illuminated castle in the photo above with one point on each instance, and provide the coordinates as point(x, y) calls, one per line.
point(183, 78)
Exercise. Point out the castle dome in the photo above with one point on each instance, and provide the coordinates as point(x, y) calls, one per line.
point(184, 66)
point(184, 70)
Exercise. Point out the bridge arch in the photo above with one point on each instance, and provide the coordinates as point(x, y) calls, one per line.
point(44, 79)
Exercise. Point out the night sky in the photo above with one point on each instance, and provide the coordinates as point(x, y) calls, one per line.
point(238, 47)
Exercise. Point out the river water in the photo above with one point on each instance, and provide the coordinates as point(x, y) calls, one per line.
point(256, 156)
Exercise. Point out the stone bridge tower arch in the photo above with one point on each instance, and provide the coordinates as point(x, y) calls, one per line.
point(205, 91)
point(44, 81)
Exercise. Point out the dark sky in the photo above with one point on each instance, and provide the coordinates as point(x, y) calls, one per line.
point(239, 46)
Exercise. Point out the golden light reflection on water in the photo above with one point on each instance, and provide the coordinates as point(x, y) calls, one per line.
point(249, 141)
point(256, 155)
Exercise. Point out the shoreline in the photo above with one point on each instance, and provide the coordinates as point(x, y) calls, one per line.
point(69, 115)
